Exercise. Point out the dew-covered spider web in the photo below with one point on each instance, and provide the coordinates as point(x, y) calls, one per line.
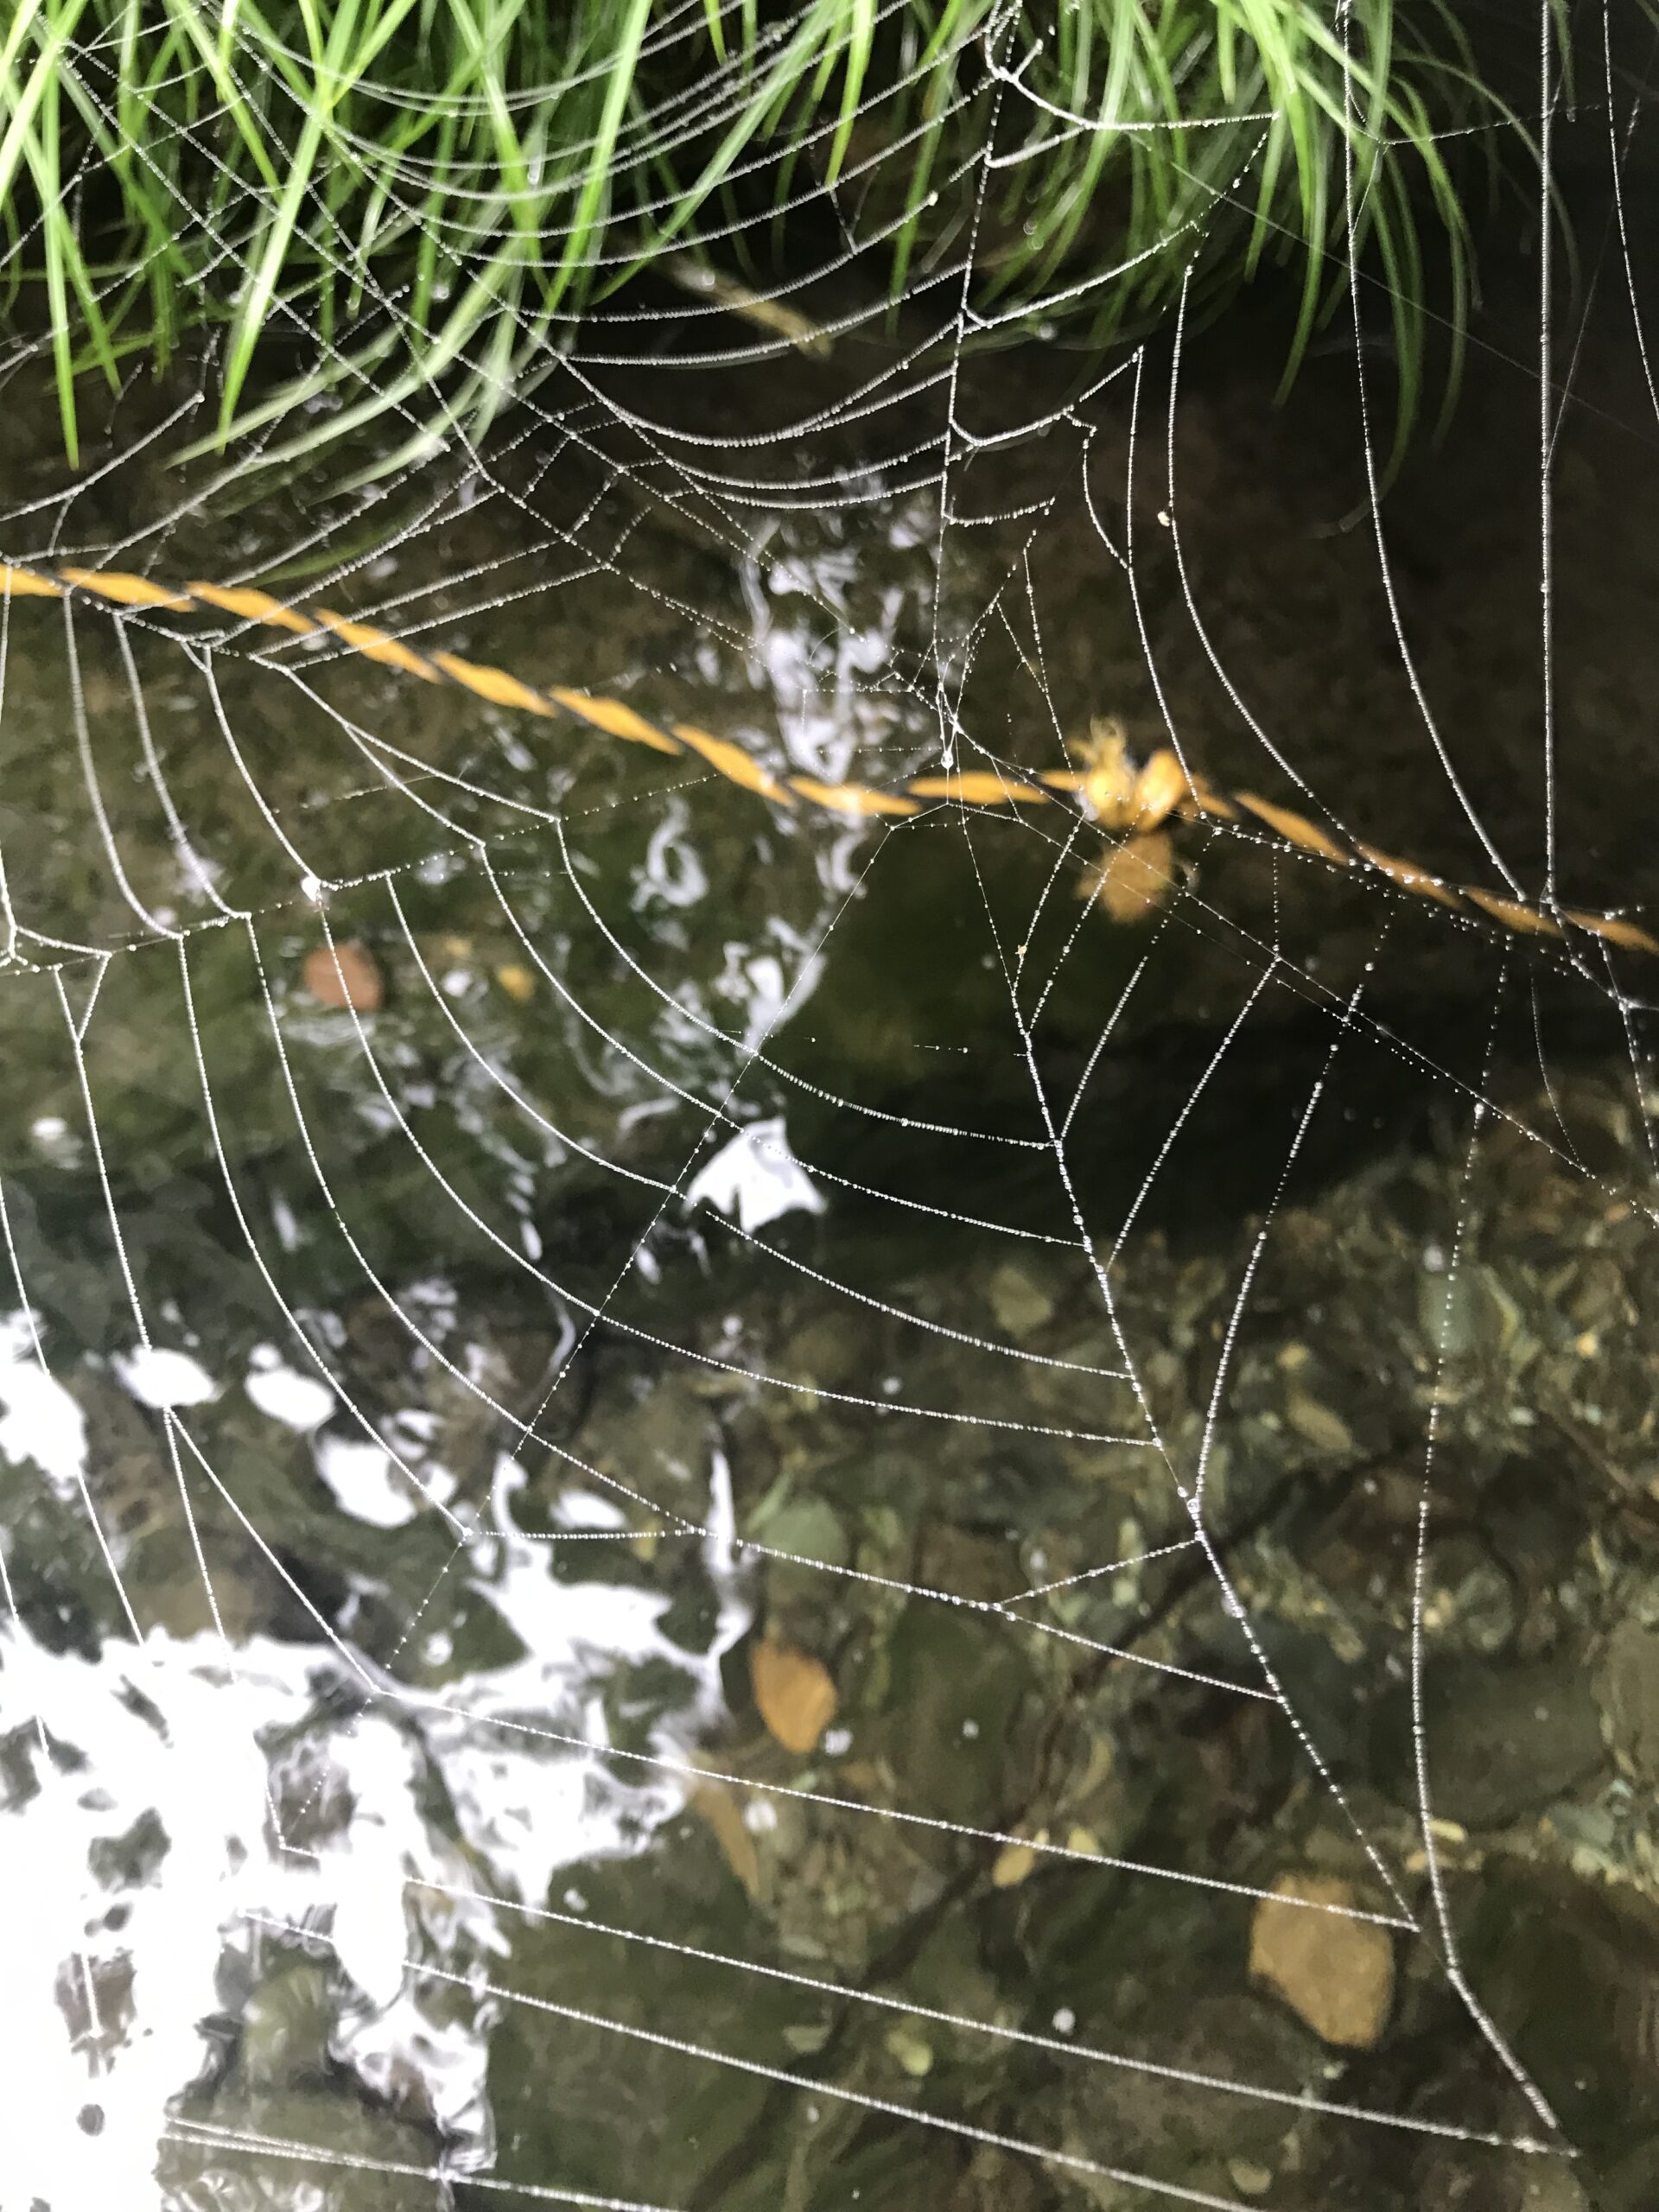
point(714, 1499)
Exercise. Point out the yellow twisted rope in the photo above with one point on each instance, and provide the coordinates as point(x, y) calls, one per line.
point(1107, 788)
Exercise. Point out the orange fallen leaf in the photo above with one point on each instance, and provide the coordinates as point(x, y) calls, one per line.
point(517, 982)
point(346, 975)
point(794, 1692)
point(1135, 880)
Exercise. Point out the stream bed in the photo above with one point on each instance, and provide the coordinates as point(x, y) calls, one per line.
point(707, 1504)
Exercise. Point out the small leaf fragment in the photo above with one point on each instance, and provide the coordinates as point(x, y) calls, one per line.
point(1158, 789)
point(517, 982)
point(913, 2050)
point(794, 1693)
point(718, 1806)
point(1317, 1424)
point(1015, 1861)
point(1108, 779)
point(344, 975)
point(1201, 799)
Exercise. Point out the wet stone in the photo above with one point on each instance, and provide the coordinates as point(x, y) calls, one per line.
point(1627, 1690)
point(1317, 1425)
point(833, 1351)
point(803, 1528)
point(1159, 2125)
point(1469, 1601)
point(1502, 1741)
point(1021, 1303)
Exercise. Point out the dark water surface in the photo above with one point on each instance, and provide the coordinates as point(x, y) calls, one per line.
point(731, 1229)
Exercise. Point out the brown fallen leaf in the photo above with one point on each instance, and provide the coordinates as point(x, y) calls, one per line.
point(718, 1806)
point(355, 981)
point(1135, 880)
point(1337, 1973)
point(794, 1692)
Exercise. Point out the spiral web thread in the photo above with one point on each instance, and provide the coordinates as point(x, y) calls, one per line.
point(219, 801)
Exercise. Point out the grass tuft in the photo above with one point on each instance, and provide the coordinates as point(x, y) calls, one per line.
point(401, 206)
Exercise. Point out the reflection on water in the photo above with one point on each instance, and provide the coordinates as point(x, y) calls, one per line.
point(188, 1816)
point(677, 1231)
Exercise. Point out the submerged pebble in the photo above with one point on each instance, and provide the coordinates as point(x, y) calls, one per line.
point(1334, 1972)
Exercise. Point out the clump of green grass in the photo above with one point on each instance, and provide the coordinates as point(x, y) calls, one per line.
point(405, 207)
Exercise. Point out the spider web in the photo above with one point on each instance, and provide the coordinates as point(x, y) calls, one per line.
point(715, 1220)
